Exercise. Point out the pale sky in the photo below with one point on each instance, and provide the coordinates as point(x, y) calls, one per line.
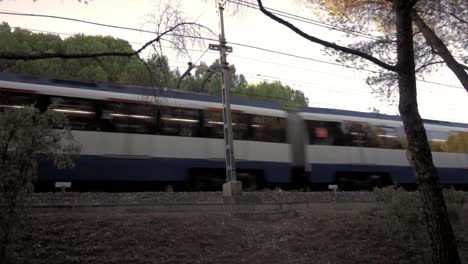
point(325, 85)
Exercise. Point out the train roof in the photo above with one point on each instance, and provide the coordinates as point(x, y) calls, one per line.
point(339, 112)
point(167, 93)
point(128, 89)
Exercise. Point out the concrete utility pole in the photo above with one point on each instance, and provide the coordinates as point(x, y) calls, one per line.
point(232, 187)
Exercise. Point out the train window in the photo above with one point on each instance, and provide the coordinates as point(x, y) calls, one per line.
point(9, 100)
point(128, 118)
point(213, 125)
point(240, 128)
point(246, 127)
point(175, 121)
point(257, 124)
point(279, 129)
point(81, 113)
point(458, 142)
point(402, 137)
point(325, 133)
point(387, 137)
point(358, 134)
point(438, 140)
point(267, 129)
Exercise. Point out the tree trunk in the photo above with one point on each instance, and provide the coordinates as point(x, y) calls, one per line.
point(444, 246)
point(441, 50)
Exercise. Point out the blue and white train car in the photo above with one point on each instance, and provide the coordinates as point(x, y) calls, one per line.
point(129, 136)
point(140, 135)
point(355, 148)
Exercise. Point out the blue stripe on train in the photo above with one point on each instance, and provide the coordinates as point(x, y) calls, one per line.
point(325, 173)
point(99, 168)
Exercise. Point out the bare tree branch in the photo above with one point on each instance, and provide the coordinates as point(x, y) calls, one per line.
point(24, 56)
point(323, 42)
point(444, 12)
point(428, 64)
point(435, 42)
point(455, 16)
point(413, 2)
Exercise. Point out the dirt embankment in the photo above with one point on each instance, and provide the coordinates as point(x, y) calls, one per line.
point(312, 236)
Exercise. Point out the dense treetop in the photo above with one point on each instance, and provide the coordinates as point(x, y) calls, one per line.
point(127, 70)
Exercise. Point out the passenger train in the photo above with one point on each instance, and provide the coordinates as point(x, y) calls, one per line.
point(139, 136)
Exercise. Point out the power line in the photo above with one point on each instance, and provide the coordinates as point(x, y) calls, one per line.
point(331, 63)
point(233, 43)
point(280, 53)
point(291, 82)
point(307, 20)
point(308, 85)
point(293, 66)
point(300, 57)
point(239, 44)
point(196, 37)
point(100, 24)
point(72, 19)
point(305, 69)
point(296, 17)
point(287, 82)
point(197, 50)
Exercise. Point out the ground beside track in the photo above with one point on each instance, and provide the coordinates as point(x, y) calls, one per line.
point(59, 231)
point(299, 236)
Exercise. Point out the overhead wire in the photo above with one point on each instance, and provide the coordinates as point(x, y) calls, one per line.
point(296, 83)
point(263, 77)
point(194, 50)
point(198, 50)
point(233, 43)
point(280, 99)
point(100, 24)
point(255, 76)
point(306, 20)
point(244, 3)
point(203, 38)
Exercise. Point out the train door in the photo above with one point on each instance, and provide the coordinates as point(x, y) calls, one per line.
point(355, 138)
point(212, 126)
point(297, 137)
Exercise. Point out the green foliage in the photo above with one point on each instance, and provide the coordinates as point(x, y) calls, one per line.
point(105, 69)
point(26, 137)
point(273, 92)
point(152, 72)
point(403, 215)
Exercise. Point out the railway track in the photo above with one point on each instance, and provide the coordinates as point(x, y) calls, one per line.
point(203, 208)
point(155, 202)
point(263, 197)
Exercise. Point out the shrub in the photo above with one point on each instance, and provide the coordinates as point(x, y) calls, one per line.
point(25, 137)
point(455, 200)
point(402, 212)
point(403, 215)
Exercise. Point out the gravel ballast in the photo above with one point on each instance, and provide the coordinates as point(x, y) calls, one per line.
point(93, 199)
